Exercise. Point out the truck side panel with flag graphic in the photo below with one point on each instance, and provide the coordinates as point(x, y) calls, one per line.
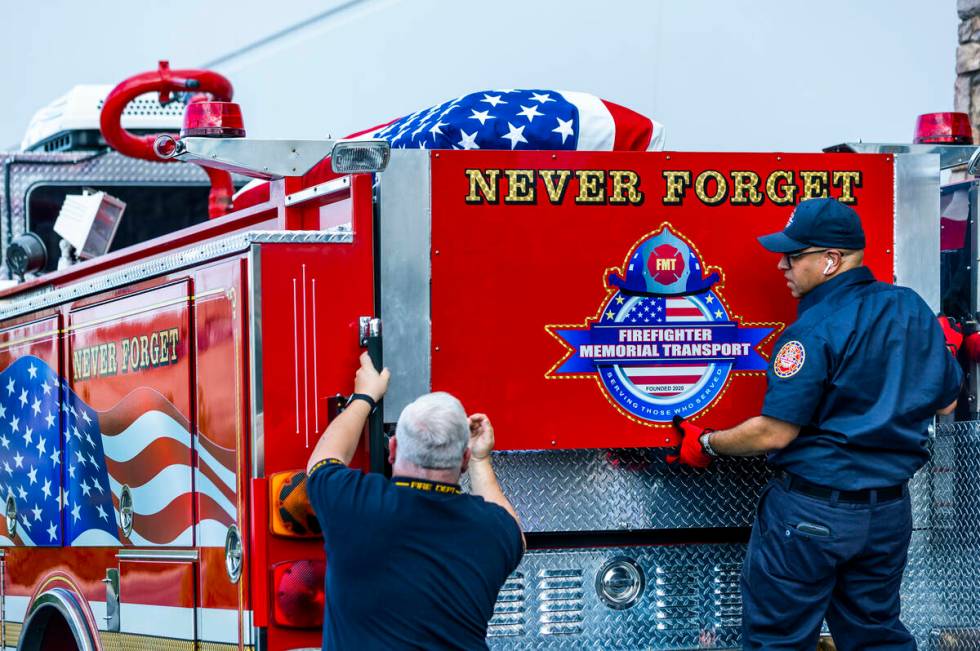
point(142, 418)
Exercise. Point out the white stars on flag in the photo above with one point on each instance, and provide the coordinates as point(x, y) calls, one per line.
point(530, 112)
point(564, 129)
point(515, 135)
point(482, 116)
point(492, 101)
point(526, 119)
point(468, 140)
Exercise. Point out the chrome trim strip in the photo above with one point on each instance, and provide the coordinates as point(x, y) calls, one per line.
point(333, 186)
point(158, 554)
point(916, 254)
point(255, 360)
point(405, 268)
point(169, 263)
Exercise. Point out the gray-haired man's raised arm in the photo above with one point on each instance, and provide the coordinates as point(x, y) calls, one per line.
point(483, 481)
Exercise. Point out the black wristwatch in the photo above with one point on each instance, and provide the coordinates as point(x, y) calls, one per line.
point(362, 396)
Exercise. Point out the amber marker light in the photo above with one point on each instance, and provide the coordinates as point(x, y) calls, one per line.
point(291, 513)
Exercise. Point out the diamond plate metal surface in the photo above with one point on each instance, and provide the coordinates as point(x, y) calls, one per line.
point(945, 610)
point(692, 598)
point(623, 490)
point(592, 490)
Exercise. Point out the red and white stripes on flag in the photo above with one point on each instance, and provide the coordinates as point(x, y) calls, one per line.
point(148, 447)
point(666, 380)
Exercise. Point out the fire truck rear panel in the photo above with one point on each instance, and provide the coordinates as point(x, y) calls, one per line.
point(528, 323)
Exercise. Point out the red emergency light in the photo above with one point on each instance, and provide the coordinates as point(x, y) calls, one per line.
point(943, 128)
point(213, 120)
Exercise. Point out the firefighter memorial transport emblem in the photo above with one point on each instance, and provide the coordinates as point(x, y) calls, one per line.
point(664, 341)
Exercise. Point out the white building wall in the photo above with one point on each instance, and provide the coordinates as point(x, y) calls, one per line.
point(762, 75)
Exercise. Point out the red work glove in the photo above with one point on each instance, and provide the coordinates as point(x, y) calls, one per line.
point(953, 334)
point(691, 452)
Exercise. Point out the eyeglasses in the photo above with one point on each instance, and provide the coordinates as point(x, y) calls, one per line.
point(790, 258)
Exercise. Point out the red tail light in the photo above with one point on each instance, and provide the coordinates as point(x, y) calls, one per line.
point(943, 128)
point(299, 593)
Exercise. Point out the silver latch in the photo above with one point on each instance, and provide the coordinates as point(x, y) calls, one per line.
point(368, 327)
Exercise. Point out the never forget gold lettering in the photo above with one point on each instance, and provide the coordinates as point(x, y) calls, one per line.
point(745, 187)
point(523, 186)
point(623, 187)
point(129, 355)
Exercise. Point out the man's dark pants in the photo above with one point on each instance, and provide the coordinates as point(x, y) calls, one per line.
point(791, 579)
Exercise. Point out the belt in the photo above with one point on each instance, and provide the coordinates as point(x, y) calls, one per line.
point(865, 496)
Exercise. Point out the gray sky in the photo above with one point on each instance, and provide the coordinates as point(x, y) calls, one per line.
point(721, 75)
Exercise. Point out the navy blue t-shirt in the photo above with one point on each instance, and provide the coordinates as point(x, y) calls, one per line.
point(411, 564)
point(863, 371)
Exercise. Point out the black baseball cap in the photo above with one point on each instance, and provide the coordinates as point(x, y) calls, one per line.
point(817, 222)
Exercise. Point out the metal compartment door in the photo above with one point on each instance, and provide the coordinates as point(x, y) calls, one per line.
point(220, 470)
point(157, 600)
point(128, 444)
point(30, 441)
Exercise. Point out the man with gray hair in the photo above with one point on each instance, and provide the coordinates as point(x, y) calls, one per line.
point(413, 562)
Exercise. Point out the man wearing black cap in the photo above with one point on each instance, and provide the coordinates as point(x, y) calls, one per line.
point(852, 388)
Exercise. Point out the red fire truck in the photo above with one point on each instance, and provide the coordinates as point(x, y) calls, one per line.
point(158, 401)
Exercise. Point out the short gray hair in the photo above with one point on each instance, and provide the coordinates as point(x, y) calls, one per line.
point(433, 432)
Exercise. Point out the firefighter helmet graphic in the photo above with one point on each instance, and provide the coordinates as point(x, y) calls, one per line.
point(663, 265)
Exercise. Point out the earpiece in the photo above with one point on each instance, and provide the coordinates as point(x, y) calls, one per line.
point(826, 270)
